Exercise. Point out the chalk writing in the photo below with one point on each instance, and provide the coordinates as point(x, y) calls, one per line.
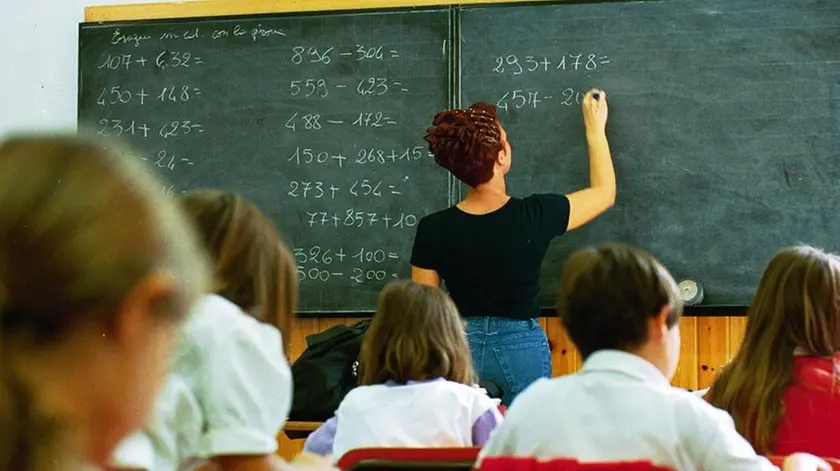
point(318, 264)
point(179, 128)
point(358, 188)
point(356, 218)
point(373, 120)
point(381, 156)
point(517, 65)
point(305, 155)
point(118, 37)
point(366, 155)
point(121, 61)
point(116, 95)
point(119, 127)
point(375, 53)
point(312, 55)
point(315, 190)
point(374, 255)
point(308, 122)
point(372, 188)
point(254, 33)
point(176, 59)
point(165, 160)
point(360, 276)
point(181, 90)
point(516, 99)
point(378, 86)
point(324, 55)
point(170, 191)
point(188, 35)
point(318, 256)
point(178, 94)
point(309, 87)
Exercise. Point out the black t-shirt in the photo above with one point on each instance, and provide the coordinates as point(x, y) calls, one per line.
point(491, 262)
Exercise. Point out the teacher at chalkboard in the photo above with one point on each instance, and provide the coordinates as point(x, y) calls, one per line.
point(489, 247)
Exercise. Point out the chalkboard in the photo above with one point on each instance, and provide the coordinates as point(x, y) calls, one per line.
point(318, 119)
point(724, 124)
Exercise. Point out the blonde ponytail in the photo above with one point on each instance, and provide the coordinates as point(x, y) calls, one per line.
point(81, 224)
point(31, 441)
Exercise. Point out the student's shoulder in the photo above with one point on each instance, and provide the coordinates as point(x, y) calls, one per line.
point(541, 392)
point(216, 321)
point(693, 412)
point(467, 393)
point(362, 396)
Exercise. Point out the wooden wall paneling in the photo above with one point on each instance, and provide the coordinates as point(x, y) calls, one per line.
point(737, 327)
point(302, 328)
point(686, 375)
point(565, 358)
point(288, 449)
point(712, 348)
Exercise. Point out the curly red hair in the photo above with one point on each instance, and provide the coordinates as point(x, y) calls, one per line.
point(467, 142)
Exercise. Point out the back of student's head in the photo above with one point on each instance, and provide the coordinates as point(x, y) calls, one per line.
point(416, 335)
point(253, 267)
point(89, 249)
point(797, 305)
point(609, 296)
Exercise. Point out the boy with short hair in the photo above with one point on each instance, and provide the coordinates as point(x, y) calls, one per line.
point(622, 308)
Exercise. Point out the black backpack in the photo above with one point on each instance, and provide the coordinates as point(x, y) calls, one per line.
point(326, 371)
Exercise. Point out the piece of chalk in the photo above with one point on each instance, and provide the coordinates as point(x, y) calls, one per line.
point(595, 95)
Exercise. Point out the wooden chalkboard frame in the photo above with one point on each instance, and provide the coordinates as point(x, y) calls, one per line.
point(217, 8)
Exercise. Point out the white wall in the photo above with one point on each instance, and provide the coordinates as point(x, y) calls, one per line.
point(38, 62)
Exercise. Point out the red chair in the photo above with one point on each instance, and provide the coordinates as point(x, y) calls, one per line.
point(511, 463)
point(779, 460)
point(505, 463)
point(381, 459)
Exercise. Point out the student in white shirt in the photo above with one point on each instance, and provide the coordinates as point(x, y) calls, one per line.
point(97, 272)
point(230, 389)
point(622, 308)
point(416, 381)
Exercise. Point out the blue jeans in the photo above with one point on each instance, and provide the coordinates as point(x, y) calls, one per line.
point(511, 353)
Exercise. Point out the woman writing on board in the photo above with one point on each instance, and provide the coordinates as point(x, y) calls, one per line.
point(489, 247)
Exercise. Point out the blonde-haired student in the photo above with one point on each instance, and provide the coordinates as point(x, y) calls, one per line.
point(783, 386)
point(97, 271)
point(416, 381)
point(230, 389)
point(622, 309)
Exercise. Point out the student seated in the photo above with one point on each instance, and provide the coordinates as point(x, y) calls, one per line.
point(783, 386)
point(97, 272)
point(622, 308)
point(416, 381)
point(230, 388)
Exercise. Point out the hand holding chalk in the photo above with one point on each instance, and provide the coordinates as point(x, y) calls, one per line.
point(595, 111)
